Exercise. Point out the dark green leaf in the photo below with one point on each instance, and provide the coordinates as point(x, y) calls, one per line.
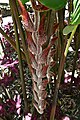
point(24, 1)
point(54, 4)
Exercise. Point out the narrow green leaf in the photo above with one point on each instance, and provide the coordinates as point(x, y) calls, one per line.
point(76, 21)
point(75, 16)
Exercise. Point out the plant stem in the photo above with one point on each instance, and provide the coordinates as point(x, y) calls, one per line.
point(61, 39)
point(62, 61)
point(8, 38)
point(20, 60)
point(77, 38)
point(49, 26)
point(69, 40)
point(61, 26)
point(19, 24)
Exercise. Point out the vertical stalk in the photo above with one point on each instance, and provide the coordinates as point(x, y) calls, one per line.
point(49, 26)
point(77, 40)
point(70, 8)
point(19, 24)
point(20, 60)
point(61, 39)
point(61, 26)
point(62, 61)
point(69, 40)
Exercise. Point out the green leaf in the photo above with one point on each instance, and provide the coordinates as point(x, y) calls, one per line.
point(75, 16)
point(68, 29)
point(24, 1)
point(54, 4)
point(75, 3)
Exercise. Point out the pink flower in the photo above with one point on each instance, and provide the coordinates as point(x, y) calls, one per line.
point(18, 103)
point(66, 118)
point(28, 117)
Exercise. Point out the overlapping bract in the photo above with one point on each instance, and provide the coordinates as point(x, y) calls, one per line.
point(41, 59)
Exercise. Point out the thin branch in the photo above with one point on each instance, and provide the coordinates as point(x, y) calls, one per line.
point(77, 38)
point(49, 26)
point(69, 40)
point(20, 60)
point(62, 61)
point(8, 38)
point(19, 24)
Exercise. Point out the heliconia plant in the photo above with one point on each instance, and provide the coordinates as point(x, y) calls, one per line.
point(35, 82)
point(40, 58)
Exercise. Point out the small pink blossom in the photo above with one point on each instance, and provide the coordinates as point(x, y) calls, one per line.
point(18, 103)
point(28, 117)
point(17, 98)
point(66, 118)
point(0, 107)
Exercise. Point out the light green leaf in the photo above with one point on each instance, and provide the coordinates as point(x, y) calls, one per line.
point(68, 29)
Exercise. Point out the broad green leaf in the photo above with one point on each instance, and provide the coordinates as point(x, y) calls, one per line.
point(68, 29)
point(54, 4)
point(24, 1)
